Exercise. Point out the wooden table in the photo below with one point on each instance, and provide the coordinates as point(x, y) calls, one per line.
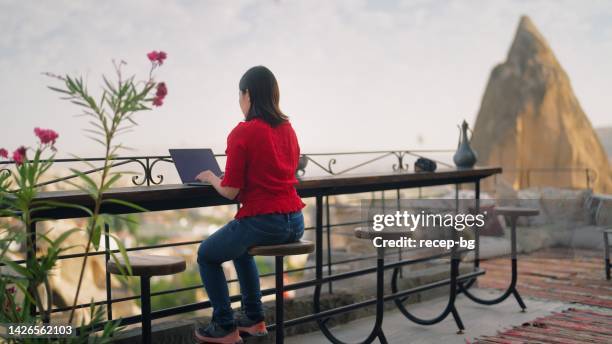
point(179, 196)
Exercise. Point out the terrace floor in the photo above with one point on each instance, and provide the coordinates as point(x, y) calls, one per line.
point(567, 296)
point(567, 275)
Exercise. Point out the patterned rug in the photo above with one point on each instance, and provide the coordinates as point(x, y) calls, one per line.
point(575, 276)
point(572, 326)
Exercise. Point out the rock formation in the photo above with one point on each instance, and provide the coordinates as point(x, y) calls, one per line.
point(531, 123)
point(605, 136)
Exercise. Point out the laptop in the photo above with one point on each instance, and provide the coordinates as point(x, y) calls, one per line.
point(190, 162)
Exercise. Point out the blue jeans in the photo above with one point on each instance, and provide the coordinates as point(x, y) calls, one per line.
point(232, 242)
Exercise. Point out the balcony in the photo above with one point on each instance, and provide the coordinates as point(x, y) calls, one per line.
point(342, 269)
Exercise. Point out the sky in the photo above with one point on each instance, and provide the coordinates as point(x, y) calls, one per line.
point(354, 75)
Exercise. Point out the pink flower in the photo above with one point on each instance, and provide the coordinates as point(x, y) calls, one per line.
point(162, 90)
point(3, 153)
point(10, 290)
point(19, 155)
point(46, 136)
point(153, 56)
point(157, 56)
point(160, 94)
point(161, 56)
point(158, 101)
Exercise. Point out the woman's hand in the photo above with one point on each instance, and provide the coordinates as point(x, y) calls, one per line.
point(206, 176)
point(225, 191)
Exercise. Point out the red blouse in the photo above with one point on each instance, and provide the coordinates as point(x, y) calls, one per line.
point(261, 162)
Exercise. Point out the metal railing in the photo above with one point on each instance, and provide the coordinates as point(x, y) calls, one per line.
point(318, 162)
point(323, 162)
point(148, 164)
point(526, 176)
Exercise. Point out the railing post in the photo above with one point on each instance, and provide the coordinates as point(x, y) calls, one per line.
point(109, 298)
point(279, 302)
point(148, 172)
point(399, 249)
point(318, 251)
point(319, 237)
point(477, 234)
point(456, 198)
point(30, 255)
point(329, 246)
point(145, 305)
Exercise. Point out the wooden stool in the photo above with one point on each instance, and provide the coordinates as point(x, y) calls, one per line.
point(606, 234)
point(146, 266)
point(279, 252)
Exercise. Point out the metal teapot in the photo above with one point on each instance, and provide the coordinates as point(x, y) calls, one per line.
point(464, 157)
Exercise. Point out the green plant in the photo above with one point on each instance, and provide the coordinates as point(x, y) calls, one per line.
point(20, 206)
point(111, 115)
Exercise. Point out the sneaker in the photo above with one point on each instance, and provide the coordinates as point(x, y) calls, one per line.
point(246, 325)
point(214, 333)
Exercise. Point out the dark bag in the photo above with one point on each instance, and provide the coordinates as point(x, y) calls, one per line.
point(425, 165)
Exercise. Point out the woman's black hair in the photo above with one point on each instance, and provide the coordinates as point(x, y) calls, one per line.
point(264, 94)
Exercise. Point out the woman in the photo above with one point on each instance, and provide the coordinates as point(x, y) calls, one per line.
point(262, 156)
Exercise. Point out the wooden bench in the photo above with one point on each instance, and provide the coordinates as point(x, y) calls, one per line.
point(146, 266)
point(279, 252)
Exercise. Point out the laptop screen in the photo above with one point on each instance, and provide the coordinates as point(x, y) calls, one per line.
point(190, 162)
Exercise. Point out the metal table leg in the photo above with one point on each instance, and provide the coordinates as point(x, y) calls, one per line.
point(511, 290)
point(145, 303)
point(377, 331)
point(450, 306)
